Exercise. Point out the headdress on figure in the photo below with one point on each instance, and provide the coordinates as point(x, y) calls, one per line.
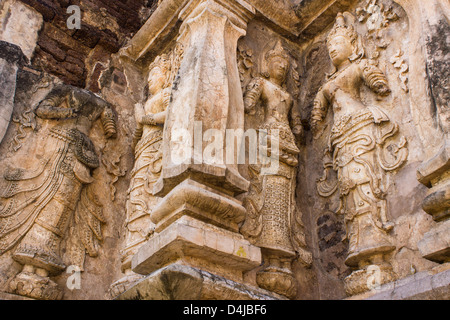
point(344, 27)
point(164, 63)
point(277, 51)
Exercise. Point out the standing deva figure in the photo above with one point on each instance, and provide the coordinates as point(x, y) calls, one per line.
point(37, 205)
point(358, 151)
point(270, 200)
point(148, 139)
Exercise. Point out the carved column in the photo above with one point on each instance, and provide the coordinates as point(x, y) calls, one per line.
point(197, 220)
point(428, 79)
point(16, 48)
point(11, 57)
point(208, 90)
point(429, 103)
point(435, 174)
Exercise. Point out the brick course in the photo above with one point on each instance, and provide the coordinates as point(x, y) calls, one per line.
point(63, 52)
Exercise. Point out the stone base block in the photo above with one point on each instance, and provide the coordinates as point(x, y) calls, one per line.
point(435, 174)
point(36, 287)
point(180, 282)
point(369, 278)
point(201, 245)
point(435, 245)
point(433, 285)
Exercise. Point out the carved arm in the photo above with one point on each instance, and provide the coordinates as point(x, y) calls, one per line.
point(252, 96)
point(50, 109)
point(296, 122)
point(109, 122)
point(159, 118)
point(375, 79)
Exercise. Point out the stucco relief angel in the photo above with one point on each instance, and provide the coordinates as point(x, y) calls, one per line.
point(37, 206)
point(148, 139)
point(271, 211)
point(357, 147)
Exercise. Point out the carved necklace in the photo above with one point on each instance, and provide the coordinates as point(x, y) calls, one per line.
point(338, 72)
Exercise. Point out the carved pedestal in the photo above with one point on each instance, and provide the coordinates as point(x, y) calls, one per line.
point(435, 174)
point(181, 282)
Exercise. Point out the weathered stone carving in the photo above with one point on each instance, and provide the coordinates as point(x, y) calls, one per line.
point(11, 58)
point(270, 206)
point(245, 63)
point(114, 169)
point(37, 205)
point(360, 152)
point(192, 246)
point(148, 138)
point(26, 121)
point(435, 174)
point(403, 68)
point(377, 18)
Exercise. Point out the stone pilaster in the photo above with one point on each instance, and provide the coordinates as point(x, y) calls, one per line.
point(435, 174)
point(19, 27)
point(429, 107)
point(197, 221)
point(11, 57)
point(207, 96)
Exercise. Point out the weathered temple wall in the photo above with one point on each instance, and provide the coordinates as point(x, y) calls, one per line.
point(78, 56)
point(92, 59)
point(74, 57)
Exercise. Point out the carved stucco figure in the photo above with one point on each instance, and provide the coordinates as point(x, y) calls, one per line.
point(37, 205)
point(357, 152)
point(148, 138)
point(270, 201)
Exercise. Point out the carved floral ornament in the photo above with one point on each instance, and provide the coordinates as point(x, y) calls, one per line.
point(377, 18)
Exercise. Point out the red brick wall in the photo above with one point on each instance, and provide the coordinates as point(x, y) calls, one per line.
point(71, 54)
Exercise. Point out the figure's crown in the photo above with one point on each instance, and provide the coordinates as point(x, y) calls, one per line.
point(162, 61)
point(343, 27)
point(277, 51)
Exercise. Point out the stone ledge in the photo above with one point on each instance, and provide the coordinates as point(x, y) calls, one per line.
point(435, 245)
point(180, 282)
point(316, 16)
point(200, 202)
point(435, 167)
point(421, 286)
point(189, 239)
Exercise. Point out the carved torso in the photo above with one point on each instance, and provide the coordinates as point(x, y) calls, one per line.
point(277, 101)
point(343, 91)
point(156, 104)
